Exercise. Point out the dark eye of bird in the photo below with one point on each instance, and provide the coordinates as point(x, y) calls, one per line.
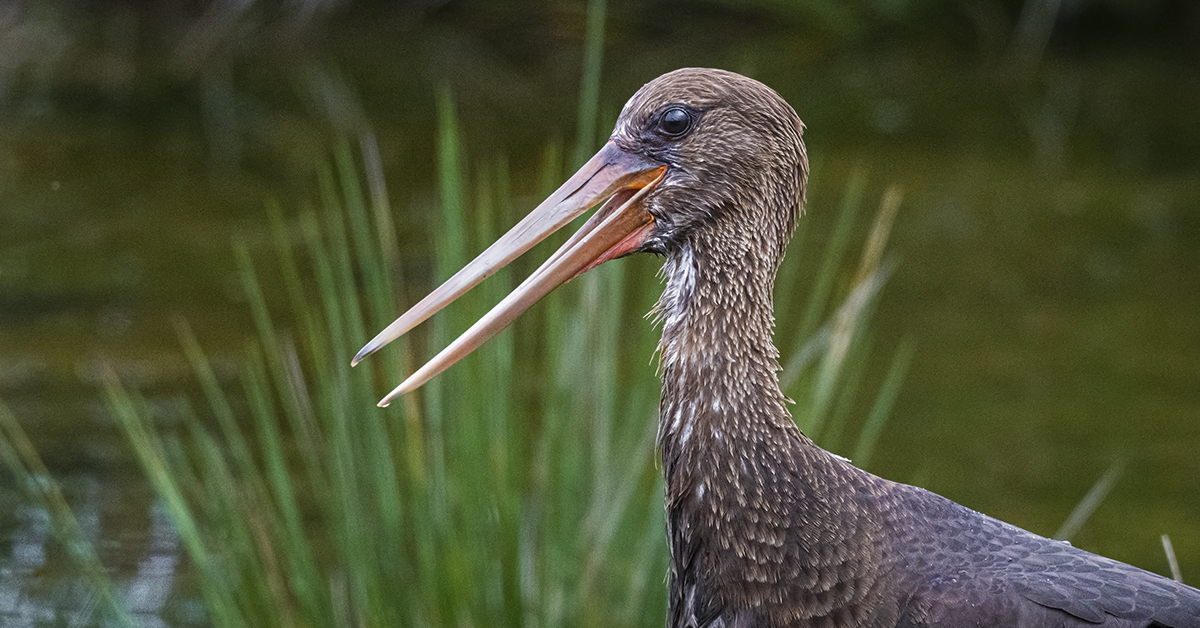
point(675, 122)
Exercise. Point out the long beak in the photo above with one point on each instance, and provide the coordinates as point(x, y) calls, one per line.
point(619, 227)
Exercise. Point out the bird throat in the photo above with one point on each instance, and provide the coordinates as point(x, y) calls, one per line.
point(748, 495)
point(746, 491)
point(719, 365)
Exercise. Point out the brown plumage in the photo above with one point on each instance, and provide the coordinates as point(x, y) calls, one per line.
point(765, 528)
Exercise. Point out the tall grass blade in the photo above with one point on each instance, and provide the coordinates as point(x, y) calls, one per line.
point(34, 480)
point(1172, 560)
point(818, 342)
point(1086, 506)
point(589, 85)
point(884, 400)
point(848, 323)
point(151, 452)
point(827, 271)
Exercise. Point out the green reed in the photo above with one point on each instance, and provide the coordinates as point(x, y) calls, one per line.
point(38, 487)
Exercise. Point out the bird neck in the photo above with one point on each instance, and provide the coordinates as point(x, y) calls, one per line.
point(748, 496)
point(719, 365)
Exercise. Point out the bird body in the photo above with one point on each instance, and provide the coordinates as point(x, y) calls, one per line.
point(707, 168)
point(804, 538)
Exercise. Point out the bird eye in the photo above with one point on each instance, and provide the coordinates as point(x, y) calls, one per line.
point(675, 122)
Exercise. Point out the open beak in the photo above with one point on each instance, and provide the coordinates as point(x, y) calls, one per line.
point(619, 179)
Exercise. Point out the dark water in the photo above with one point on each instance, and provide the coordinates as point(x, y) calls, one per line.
point(1048, 242)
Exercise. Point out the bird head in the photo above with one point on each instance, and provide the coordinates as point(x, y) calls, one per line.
point(733, 151)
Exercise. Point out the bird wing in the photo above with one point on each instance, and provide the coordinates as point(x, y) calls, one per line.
point(963, 559)
point(1056, 575)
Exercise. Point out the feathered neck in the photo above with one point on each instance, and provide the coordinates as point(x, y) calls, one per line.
point(757, 515)
point(719, 365)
